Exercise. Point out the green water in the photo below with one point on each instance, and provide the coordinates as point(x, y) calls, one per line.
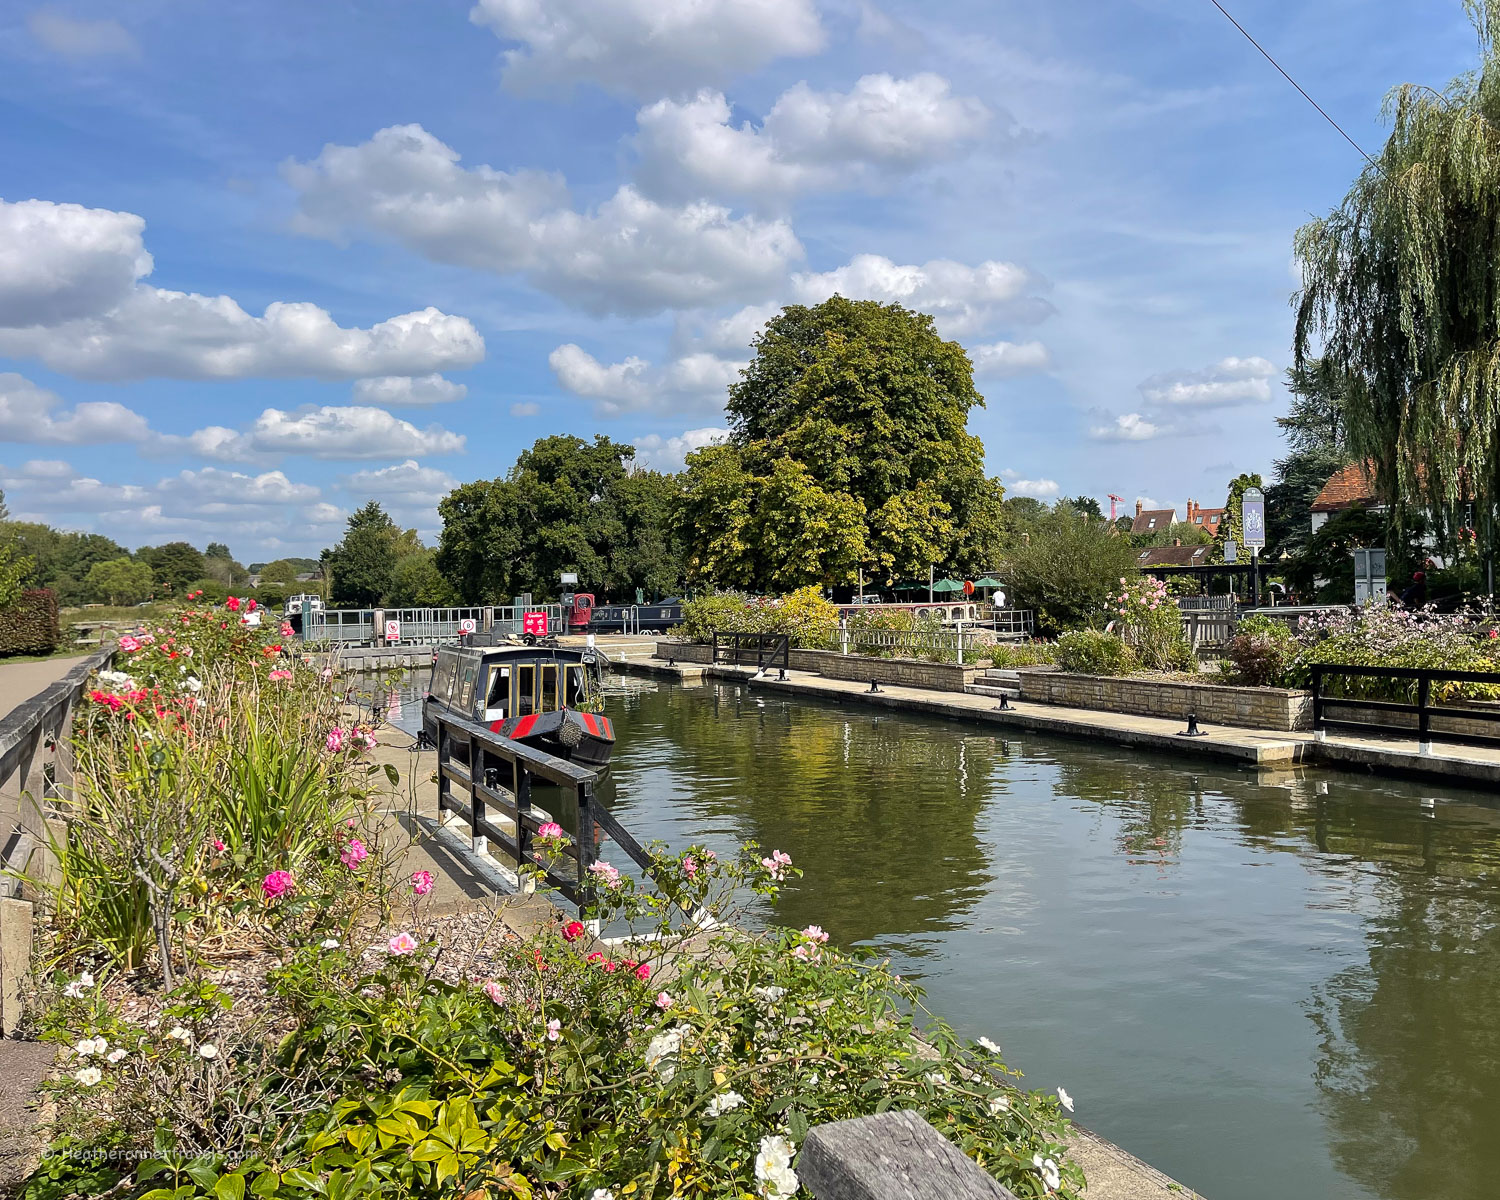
point(1267, 985)
point(1275, 985)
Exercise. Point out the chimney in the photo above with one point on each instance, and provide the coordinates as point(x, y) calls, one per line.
point(1192, 510)
point(1138, 507)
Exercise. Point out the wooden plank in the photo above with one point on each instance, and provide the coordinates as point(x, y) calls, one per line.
point(891, 1156)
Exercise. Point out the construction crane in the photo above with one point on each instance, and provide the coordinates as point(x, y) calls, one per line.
point(1113, 500)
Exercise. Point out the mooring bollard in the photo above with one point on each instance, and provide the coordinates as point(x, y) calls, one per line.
point(1004, 705)
point(874, 687)
point(1192, 730)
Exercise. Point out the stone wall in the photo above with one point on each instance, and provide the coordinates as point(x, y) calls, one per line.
point(1213, 704)
point(903, 672)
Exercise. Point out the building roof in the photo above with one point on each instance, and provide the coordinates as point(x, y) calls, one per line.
point(1350, 486)
point(1173, 556)
point(1153, 520)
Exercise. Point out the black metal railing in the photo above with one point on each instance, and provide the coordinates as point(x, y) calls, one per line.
point(1423, 710)
point(497, 774)
point(766, 650)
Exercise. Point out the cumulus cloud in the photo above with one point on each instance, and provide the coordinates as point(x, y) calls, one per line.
point(74, 38)
point(352, 432)
point(631, 255)
point(670, 453)
point(634, 385)
point(809, 141)
point(398, 391)
point(1128, 427)
point(71, 295)
point(404, 481)
point(1041, 489)
point(1003, 360)
point(29, 414)
point(645, 47)
point(1229, 382)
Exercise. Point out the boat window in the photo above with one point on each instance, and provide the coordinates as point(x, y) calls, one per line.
point(499, 697)
point(442, 676)
point(465, 697)
point(525, 690)
point(548, 697)
point(577, 691)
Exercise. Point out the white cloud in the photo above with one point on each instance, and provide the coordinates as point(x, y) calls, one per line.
point(78, 38)
point(634, 385)
point(631, 255)
point(1229, 382)
point(961, 299)
point(396, 391)
point(71, 296)
point(1128, 427)
point(27, 415)
point(60, 261)
point(670, 453)
point(51, 486)
point(1003, 360)
point(646, 47)
point(1041, 489)
point(809, 141)
point(405, 481)
point(339, 433)
point(525, 408)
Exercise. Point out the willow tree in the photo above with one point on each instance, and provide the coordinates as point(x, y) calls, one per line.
point(1401, 293)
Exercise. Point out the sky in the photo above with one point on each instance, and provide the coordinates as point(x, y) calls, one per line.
point(262, 263)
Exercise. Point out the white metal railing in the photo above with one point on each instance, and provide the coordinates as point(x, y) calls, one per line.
point(950, 643)
point(422, 626)
point(1013, 623)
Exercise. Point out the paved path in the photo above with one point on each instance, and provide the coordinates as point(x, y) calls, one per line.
point(20, 681)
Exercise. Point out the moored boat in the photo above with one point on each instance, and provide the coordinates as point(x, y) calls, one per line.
point(544, 696)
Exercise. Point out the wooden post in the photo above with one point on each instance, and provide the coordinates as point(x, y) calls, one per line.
point(523, 831)
point(891, 1156)
point(1424, 715)
point(477, 809)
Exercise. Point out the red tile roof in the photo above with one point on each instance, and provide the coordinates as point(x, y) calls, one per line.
point(1350, 486)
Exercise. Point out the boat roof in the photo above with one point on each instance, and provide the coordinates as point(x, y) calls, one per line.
point(514, 650)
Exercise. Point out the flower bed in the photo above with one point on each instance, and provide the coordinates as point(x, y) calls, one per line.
point(253, 1003)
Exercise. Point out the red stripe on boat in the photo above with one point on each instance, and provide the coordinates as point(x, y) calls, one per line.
point(609, 730)
point(495, 725)
point(590, 722)
point(523, 726)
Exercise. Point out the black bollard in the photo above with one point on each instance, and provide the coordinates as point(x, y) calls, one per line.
point(1004, 705)
point(874, 687)
point(783, 675)
point(1192, 730)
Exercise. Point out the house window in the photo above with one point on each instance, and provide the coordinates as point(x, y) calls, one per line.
point(1151, 524)
point(1199, 520)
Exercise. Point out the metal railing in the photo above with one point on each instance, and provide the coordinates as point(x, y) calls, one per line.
point(1208, 629)
point(946, 644)
point(1225, 602)
point(767, 650)
point(431, 626)
point(498, 774)
point(339, 626)
point(1013, 624)
point(422, 626)
point(1423, 710)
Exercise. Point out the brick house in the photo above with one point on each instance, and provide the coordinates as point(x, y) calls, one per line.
point(1152, 520)
point(1207, 518)
point(1349, 487)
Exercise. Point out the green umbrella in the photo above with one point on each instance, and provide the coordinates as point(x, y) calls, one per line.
point(987, 582)
point(910, 587)
point(947, 585)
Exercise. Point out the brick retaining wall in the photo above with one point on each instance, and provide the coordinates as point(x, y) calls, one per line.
point(1214, 704)
point(903, 672)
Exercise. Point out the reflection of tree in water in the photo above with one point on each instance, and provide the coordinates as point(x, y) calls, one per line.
point(1151, 802)
point(1409, 1043)
point(878, 810)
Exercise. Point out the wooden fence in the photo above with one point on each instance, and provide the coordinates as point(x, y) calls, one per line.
point(35, 772)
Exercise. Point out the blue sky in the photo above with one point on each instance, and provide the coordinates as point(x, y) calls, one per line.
point(261, 263)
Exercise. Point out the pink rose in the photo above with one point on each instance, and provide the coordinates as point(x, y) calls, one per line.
point(643, 972)
point(129, 644)
point(354, 854)
point(495, 992)
point(549, 829)
point(815, 933)
point(421, 882)
point(278, 675)
point(218, 846)
point(607, 875)
point(402, 944)
point(277, 883)
point(554, 1029)
point(335, 741)
point(573, 930)
point(663, 1001)
point(232, 604)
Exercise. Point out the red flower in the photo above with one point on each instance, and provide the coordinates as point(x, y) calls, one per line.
point(232, 604)
point(643, 972)
point(251, 607)
point(573, 930)
point(596, 956)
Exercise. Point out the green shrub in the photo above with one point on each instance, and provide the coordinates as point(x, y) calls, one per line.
point(1025, 654)
point(1091, 652)
point(1260, 652)
point(1151, 625)
point(29, 626)
point(807, 618)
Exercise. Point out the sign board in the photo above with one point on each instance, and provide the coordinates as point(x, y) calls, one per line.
point(1231, 551)
point(1369, 576)
point(468, 625)
point(1253, 518)
point(393, 631)
point(535, 624)
point(570, 577)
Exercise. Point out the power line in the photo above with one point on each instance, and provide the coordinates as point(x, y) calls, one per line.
point(1292, 81)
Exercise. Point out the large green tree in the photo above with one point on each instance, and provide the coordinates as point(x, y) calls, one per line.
point(362, 567)
point(1065, 566)
point(849, 447)
point(566, 505)
point(174, 565)
point(119, 581)
point(1317, 446)
point(1401, 294)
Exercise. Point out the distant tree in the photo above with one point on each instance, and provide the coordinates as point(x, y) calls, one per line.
point(362, 566)
point(174, 566)
point(119, 581)
point(1317, 444)
point(417, 581)
point(854, 414)
point(218, 550)
point(15, 569)
point(283, 571)
point(1087, 505)
point(4, 509)
point(1067, 567)
point(1178, 532)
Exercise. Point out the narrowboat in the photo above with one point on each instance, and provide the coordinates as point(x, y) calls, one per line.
point(544, 696)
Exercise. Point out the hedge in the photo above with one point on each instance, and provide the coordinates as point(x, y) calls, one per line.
point(29, 626)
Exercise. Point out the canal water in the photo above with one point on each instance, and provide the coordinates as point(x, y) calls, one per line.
point(1265, 984)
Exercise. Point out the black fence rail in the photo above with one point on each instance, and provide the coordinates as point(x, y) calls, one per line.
point(1384, 712)
point(765, 650)
point(497, 774)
